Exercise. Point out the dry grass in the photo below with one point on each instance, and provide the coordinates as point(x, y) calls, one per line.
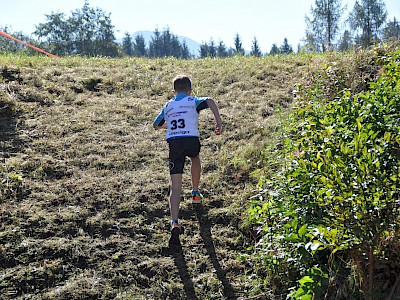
point(84, 212)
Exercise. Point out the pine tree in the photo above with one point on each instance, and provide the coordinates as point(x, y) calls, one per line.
point(185, 51)
point(367, 17)
point(391, 30)
point(345, 42)
point(166, 43)
point(203, 50)
point(238, 45)
point(286, 48)
point(139, 46)
point(212, 49)
point(323, 26)
point(255, 49)
point(127, 45)
point(221, 49)
point(156, 44)
point(299, 48)
point(274, 50)
point(175, 46)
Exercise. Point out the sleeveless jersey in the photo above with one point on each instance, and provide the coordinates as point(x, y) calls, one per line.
point(182, 118)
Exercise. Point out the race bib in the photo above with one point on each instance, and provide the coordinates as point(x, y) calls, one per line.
point(182, 118)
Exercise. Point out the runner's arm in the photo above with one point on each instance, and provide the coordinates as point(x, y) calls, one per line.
point(218, 122)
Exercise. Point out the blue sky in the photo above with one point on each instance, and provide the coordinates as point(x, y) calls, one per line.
point(270, 21)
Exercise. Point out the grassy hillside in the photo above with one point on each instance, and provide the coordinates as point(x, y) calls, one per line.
point(84, 179)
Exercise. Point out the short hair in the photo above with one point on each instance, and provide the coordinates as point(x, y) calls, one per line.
point(182, 83)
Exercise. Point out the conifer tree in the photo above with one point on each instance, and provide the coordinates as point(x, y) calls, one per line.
point(203, 50)
point(175, 47)
point(238, 45)
point(367, 18)
point(127, 44)
point(156, 44)
point(391, 30)
point(255, 48)
point(324, 23)
point(185, 51)
point(166, 43)
point(212, 49)
point(345, 42)
point(286, 48)
point(274, 50)
point(221, 49)
point(139, 46)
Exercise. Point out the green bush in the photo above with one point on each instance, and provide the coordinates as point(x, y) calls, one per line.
point(334, 210)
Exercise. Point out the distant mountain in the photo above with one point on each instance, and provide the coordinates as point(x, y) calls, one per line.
point(194, 47)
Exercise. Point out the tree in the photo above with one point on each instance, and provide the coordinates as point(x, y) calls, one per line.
point(139, 46)
point(299, 48)
point(221, 49)
point(167, 44)
point(274, 50)
point(203, 50)
point(92, 31)
point(391, 30)
point(88, 31)
point(345, 42)
point(155, 45)
point(286, 48)
point(255, 49)
point(127, 45)
point(175, 47)
point(57, 34)
point(311, 43)
point(238, 45)
point(10, 46)
point(212, 49)
point(185, 50)
point(324, 23)
point(367, 18)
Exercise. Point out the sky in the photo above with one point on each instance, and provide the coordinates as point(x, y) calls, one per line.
point(269, 21)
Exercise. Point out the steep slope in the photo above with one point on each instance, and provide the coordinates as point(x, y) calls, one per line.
point(84, 183)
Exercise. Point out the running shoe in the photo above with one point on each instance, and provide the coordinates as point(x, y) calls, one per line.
point(197, 198)
point(176, 231)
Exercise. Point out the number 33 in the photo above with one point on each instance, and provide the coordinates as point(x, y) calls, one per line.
point(175, 124)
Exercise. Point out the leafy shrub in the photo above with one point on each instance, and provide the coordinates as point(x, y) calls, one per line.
point(334, 210)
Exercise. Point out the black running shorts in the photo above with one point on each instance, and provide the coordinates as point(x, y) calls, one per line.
point(179, 148)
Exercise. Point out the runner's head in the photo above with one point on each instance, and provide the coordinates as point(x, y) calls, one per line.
point(182, 84)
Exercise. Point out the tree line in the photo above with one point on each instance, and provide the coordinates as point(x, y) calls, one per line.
point(89, 31)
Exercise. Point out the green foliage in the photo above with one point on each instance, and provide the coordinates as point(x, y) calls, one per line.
point(336, 200)
point(238, 45)
point(323, 26)
point(367, 18)
point(11, 184)
point(88, 31)
point(90, 218)
point(255, 48)
point(10, 46)
point(164, 44)
point(285, 47)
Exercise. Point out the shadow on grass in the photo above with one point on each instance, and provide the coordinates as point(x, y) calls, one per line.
point(176, 252)
point(9, 140)
point(205, 232)
point(180, 263)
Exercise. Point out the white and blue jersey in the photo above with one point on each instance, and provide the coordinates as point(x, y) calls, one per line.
point(181, 114)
